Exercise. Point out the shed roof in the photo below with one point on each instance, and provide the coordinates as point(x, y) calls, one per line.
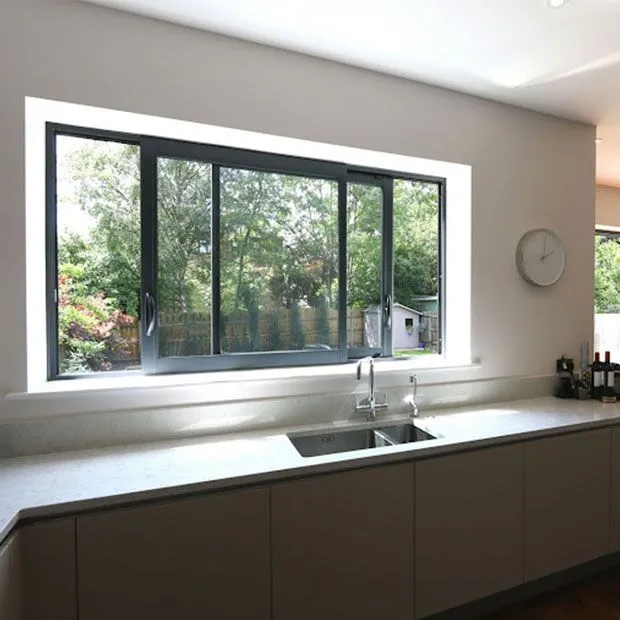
point(396, 305)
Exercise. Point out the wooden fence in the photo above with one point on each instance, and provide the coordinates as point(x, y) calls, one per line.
point(184, 334)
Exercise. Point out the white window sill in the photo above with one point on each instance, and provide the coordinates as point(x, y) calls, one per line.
point(248, 384)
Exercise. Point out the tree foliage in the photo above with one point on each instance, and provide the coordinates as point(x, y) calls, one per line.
point(607, 275)
point(416, 240)
point(278, 247)
point(104, 181)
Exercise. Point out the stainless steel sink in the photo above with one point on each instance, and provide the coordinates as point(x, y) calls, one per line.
point(406, 433)
point(333, 442)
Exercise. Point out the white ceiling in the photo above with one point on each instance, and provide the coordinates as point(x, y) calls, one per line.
point(564, 61)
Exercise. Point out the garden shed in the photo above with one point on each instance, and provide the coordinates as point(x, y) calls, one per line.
point(405, 327)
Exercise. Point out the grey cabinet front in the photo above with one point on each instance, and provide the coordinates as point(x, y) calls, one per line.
point(10, 582)
point(48, 569)
point(614, 537)
point(343, 546)
point(468, 527)
point(567, 501)
point(204, 557)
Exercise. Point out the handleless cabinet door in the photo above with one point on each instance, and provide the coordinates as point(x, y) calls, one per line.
point(615, 492)
point(10, 582)
point(204, 557)
point(343, 546)
point(48, 570)
point(567, 501)
point(468, 527)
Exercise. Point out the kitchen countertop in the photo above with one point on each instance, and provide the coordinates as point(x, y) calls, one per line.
point(71, 482)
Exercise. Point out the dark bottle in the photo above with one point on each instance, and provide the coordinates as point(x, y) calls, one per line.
point(598, 379)
point(610, 376)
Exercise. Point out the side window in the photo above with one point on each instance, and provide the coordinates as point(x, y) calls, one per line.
point(607, 293)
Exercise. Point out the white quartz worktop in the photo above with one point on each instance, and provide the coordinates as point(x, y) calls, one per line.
point(71, 482)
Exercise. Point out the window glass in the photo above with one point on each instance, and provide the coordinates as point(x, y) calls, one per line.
point(607, 294)
point(364, 265)
point(416, 267)
point(279, 262)
point(184, 257)
point(98, 255)
point(238, 256)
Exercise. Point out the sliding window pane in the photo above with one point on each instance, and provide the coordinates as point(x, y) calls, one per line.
point(279, 262)
point(364, 249)
point(415, 319)
point(184, 257)
point(98, 255)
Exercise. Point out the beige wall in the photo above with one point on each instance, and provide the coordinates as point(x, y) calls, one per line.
point(607, 206)
point(529, 170)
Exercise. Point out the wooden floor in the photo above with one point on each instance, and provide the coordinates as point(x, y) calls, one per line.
point(597, 598)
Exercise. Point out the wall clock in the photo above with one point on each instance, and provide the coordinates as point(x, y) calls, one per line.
point(541, 257)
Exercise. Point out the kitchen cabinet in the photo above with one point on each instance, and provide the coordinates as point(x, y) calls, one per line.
point(10, 582)
point(342, 546)
point(468, 527)
point(567, 501)
point(48, 570)
point(614, 537)
point(205, 557)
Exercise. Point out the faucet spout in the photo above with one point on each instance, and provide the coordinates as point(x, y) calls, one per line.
point(372, 413)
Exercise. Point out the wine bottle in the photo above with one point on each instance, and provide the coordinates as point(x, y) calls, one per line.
point(609, 377)
point(597, 376)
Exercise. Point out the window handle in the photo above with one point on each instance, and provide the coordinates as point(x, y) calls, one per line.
point(388, 311)
point(149, 304)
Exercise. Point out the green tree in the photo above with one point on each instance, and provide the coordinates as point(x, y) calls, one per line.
point(250, 300)
point(322, 321)
point(364, 242)
point(416, 240)
point(278, 240)
point(184, 235)
point(298, 339)
point(607, 275)
point(276, 342)
point(104, 181)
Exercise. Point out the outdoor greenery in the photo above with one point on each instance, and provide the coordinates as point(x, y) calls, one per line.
point(278, 244)
point(607, 275)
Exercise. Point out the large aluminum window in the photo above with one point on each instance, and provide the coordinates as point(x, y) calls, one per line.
point(167, 256)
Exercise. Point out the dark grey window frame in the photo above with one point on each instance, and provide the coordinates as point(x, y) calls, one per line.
point(151, 148)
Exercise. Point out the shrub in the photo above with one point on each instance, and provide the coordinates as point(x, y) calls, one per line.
point(88, 327)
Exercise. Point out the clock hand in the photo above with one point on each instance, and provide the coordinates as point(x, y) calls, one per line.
point(542, 258)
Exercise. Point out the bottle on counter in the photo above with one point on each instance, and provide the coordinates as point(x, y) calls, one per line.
point(598, 376)
point(609, 380)
point(585, 371)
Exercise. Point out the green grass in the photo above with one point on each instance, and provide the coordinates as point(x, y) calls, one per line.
point(409, 352)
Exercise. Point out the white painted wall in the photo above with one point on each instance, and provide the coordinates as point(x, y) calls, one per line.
point(607, 206)
point(529, 170)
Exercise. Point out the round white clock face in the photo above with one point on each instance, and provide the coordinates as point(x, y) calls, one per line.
point(541, 257)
